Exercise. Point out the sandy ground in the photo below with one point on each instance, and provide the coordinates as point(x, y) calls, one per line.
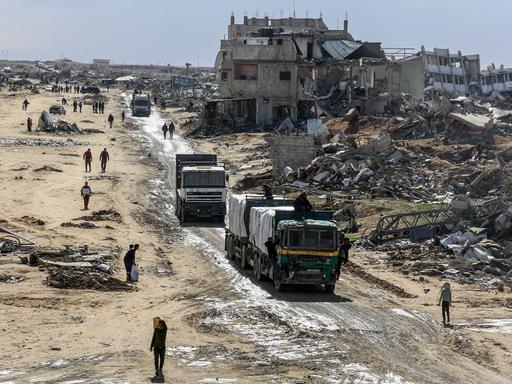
point(222, 324)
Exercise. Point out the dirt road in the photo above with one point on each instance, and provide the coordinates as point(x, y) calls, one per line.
point(224, 326)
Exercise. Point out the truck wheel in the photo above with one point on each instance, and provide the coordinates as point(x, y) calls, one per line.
point(279, 286)
point(243, 261)
point(257, 269)
point(329, 288)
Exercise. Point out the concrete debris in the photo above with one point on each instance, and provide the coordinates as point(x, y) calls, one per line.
point(49, 123)
point(47, 168)
point(8, 245)
point(84, 225)
point(64, 278)
point(102, 215)
point(10, 279)
point(14, 142)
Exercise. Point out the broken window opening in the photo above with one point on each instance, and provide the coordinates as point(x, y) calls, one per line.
point(224, 75)
point(246, 72)
point(285, 76)
point(279, 41)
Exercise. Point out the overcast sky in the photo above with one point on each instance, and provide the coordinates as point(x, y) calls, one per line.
point(177, 31)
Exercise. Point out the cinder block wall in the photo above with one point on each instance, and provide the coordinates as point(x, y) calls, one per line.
point(291, 151)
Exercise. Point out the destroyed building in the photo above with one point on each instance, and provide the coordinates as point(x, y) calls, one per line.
point(439, 70)
point(497, 80)
point(271, 69)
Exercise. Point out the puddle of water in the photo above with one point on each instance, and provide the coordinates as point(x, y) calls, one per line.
point(493, 326)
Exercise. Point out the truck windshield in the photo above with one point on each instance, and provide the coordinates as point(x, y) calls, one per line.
point(203, 179)
point(312, 239)
point(141, 102)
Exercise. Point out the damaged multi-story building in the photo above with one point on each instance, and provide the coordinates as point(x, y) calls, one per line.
point(271, 69)
point(439, 71)
point(497, 80)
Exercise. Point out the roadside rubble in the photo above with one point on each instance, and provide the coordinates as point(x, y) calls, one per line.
point(79, 268)
point(49, 123)
point(15, 142)
point(102, 215)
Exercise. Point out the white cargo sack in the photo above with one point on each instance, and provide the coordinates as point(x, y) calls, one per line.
point(134, 276)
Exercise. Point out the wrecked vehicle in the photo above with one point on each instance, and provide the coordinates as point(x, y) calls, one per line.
point(57, 109)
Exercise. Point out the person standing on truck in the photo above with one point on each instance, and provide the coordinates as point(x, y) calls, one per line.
point(445, 301)
point(110, 120)
point(164, 130)
point(302, 204)
point(172, 128)
point(269, 195)
point(129, 260)
point(158, 347)
point(104, 158)
point(88, 159)
point(270, 244)
point(86, 193)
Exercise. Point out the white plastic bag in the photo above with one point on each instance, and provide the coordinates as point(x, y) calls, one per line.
point(135, 273)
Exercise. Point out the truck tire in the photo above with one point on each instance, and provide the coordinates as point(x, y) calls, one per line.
point(257, 269)
point(279, 286)
point(329, 288)
point(243, 259)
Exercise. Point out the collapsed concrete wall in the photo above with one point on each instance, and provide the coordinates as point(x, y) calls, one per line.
point(291, 151)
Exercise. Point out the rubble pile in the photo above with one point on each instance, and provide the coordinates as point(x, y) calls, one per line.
point(49, 123)
point(79, 268)
point(80, 279)
point(102, 215)
point(486, 262)
point(15, 142)
point(8, 245)
point(377, 169)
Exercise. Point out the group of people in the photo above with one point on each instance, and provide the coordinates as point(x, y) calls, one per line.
point(98, 107)
point(168, 128)
point(104, 158)
point(76, 105)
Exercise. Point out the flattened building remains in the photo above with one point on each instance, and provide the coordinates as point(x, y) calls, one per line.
point(271, 69)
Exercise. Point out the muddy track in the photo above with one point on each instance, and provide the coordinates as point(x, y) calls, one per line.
point(341, 336)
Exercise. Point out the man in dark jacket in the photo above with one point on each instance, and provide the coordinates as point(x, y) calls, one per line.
point(164, 130)
point(29, 124)
point(302, 204)
point(110, 120)
point(129, 260)
point(104, 157)
point(86, 193)
point(158, 347)
point(270, 244)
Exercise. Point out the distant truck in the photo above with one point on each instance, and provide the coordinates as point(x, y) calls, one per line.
point(201, 187)
point(308, 246)
point(141, 105)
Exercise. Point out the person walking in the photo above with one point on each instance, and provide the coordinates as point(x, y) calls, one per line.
point(158, 347)
point(172, 128)
point(88, 159)
point(129, 261)
point(64, 101)
point(104, 158)
point(445, 301)
point(164, 130)
point(80, 105)
point(123, 116)
point(29, 124)
point(86, 193)
point(110, 120)
point(102, 107)
point(24, 105)
point(75, 105)
point(343, 255)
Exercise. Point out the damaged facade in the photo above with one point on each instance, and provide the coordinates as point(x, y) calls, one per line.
point(497, 80)
point(271, 69)
point(439, 71)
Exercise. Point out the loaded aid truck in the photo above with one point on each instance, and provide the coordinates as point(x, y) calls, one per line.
point(201, 187)
point(308, 245)
point(141, 105)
